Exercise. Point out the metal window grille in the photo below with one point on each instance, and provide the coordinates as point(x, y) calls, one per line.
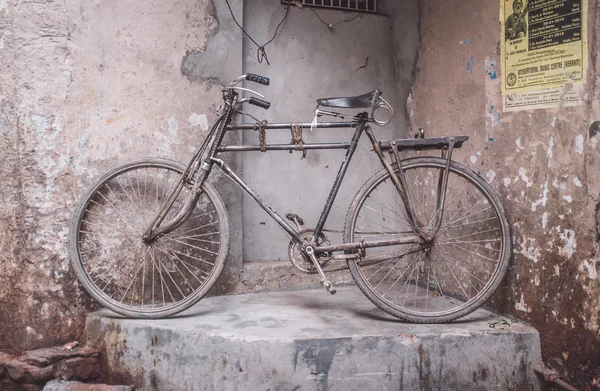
point(345, 5)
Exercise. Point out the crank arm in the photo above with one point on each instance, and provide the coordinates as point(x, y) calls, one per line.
point(310, 251)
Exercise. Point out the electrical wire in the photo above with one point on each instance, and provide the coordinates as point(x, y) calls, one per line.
point(332, 25)
point(261, 53)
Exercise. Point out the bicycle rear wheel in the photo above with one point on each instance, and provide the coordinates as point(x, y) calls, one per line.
point(138, 279)
point(454, 274)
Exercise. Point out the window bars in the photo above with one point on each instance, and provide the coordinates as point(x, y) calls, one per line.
point(345, 5)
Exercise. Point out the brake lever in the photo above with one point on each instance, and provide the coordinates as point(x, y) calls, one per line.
point(247, 90)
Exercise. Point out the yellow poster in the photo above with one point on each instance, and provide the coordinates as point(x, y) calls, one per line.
point(544, 48)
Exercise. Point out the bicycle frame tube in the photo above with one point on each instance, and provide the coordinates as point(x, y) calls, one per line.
point(338, 179)
point(266, 207)
point(350, 149)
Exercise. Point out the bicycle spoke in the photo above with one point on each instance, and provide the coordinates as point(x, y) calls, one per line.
point(468, 211)
point(197, 228)
point(448, 261)
point(461, 261)
point(472, 243)
point(454, 224)
point(187, 266)
point(382, 266)
point(103, 257)
point(162, 285)
point(427, 289)
point(391, 269)
point(195, 236)
point(476, 254)
point(376, 211)
point(415, 266)
point(391, 208)
point(192, 246)
point(458, 282)
point(439, 286)
point(164, 282)
point(115, 272)
point(130, 284)
point(112, 206)
point(473, 234)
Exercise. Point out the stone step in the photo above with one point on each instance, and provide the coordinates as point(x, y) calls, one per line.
point(309, 340)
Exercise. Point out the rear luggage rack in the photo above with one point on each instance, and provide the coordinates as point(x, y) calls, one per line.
point(419, 144)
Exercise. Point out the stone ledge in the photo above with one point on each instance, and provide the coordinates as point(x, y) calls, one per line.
point(309, 340)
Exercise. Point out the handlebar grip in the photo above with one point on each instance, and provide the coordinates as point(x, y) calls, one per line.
point(258, 79)
point(259, 102)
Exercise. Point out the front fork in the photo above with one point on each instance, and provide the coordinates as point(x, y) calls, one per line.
point(426, 233)
point(193, 178)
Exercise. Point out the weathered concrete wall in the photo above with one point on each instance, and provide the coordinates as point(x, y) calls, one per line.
point(543, 163)
point(311, 61)
point(84, 86)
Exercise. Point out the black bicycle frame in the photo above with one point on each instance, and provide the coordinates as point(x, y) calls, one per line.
point(350, 148)
point(203, 166)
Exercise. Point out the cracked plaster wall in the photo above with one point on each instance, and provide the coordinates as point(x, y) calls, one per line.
point(544, 165)
point(86, 85)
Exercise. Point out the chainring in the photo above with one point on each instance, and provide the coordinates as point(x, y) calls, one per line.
point(301, 261)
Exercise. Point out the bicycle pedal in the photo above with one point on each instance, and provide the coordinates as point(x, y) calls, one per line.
point(296, 219)
point(329, 286)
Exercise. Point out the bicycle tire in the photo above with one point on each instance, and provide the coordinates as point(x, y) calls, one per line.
point(481, 209)
point(110, 258)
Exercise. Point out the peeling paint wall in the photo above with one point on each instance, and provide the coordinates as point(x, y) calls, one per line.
point(85, 86)
point(543, 163)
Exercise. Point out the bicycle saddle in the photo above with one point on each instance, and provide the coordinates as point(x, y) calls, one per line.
point(353, 102)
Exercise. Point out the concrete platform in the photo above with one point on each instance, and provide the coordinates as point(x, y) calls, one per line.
point(310, 340)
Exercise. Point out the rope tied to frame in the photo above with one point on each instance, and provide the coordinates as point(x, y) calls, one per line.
point(262, 134)
point(296, 130)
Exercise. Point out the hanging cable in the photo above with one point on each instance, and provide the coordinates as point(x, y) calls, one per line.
point(261, 53)
point(332, 25)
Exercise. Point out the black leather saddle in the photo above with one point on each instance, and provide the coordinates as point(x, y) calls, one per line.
point(353, 102)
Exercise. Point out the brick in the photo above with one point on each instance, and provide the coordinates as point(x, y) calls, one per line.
point(80, 368)
point(48, 356)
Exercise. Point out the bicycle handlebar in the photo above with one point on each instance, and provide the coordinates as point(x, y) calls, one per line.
point(258, 79)
point(259, 102)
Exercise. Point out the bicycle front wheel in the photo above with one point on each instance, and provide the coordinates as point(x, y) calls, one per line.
point(138, 279)
point(452, 275)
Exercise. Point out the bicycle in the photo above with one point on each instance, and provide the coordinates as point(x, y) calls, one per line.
point(425, 239)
